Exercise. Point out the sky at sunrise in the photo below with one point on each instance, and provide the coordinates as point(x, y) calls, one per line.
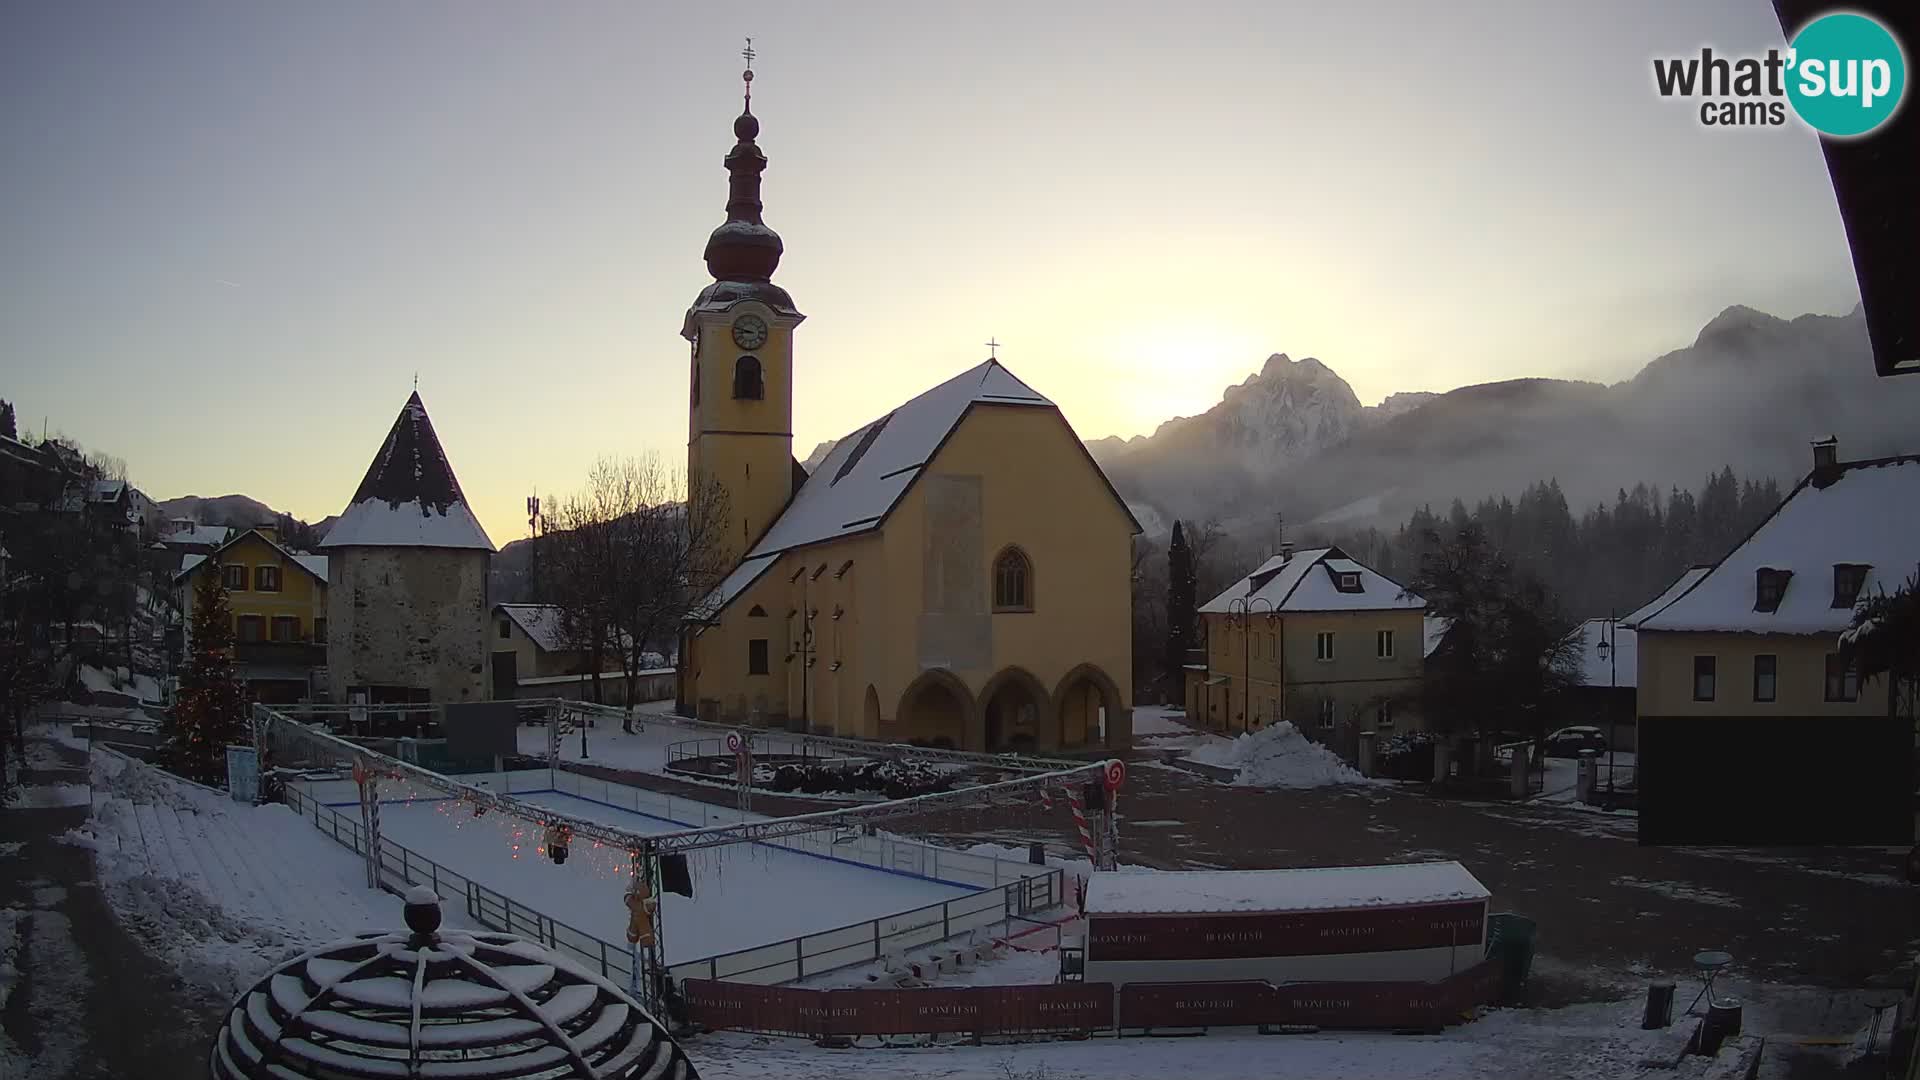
point(236, 232)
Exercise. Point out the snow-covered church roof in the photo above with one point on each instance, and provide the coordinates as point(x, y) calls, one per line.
point(1289, 583)
point(1860, 514)
point(865, 475)
point(409, 497)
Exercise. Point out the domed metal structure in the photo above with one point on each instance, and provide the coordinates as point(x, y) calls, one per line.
point(428, 1004)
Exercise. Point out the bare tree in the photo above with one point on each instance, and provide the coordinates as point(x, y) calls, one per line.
point(632, 555)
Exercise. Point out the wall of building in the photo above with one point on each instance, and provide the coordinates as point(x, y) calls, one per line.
point(406, 616)
point(530, 660)
point(916, 606)
point(745, 445)
point(1290, 682)
point(1666, 676)
point(301, 596)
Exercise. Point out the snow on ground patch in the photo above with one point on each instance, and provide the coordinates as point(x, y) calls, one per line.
point(1279, 757)
point(1677, 891)
point(45, 796)
point(220, 889)
point(1157, 720)
point(55, 1011)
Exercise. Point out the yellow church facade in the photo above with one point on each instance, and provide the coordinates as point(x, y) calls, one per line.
point(955, 573)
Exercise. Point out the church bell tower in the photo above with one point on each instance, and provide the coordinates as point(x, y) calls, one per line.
point(740, 408)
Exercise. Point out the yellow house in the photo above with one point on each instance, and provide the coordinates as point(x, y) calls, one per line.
point(279, 602)
point(1758, 634)
point(1315, 638)
point(954, 573)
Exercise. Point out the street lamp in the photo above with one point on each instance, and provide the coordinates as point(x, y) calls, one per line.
point(1240, 613)
point(1610, 631)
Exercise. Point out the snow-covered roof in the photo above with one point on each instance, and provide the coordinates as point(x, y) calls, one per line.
point(312, 564)
point(1864, 513)
point(1304, 581)
point(409, 497)
point(1620, 667)
point(198, 534)
point(1681, 584)
point(1180, 892)
point(732, 585)
point(1434, 631)
point(546, 625)
point(865, 474)
point(107, 490)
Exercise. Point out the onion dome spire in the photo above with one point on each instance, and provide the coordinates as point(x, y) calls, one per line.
point(743, 248)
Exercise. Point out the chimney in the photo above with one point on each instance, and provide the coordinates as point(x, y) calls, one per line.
point(270, 530)
point(1826, 452)
point(1286, 550)
point(1826, 461)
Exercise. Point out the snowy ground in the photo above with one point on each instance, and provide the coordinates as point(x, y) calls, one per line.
point(744, 895)
point(223, 890)
point(121, 681)
point(1278, 756)
point(1601, 1042)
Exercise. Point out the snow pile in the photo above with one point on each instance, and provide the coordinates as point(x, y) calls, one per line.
point(1279, 757)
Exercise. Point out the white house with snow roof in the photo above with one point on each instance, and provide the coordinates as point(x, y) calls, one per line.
point(956, 572)
point(1315, 638)
point(1757, 633)
point(407, 567)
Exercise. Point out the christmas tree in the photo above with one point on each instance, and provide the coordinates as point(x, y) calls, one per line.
point(210, 711)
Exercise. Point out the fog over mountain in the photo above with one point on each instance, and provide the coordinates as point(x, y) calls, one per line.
point(1751, 391)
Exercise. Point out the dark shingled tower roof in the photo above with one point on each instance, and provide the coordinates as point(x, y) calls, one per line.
point(409, 497)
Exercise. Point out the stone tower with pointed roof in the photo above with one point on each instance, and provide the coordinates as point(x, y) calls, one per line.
point(956, 572)
point(407, 567)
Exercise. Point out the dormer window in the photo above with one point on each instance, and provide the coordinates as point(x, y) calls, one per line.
point(1848, 580)
point(1769, 587)
point(747, 383)
point(1347, 582)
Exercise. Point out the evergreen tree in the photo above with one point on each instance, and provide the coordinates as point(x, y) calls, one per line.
point(1181, 583)
point(210, 712)
point(8, 426)
point(1884, 639)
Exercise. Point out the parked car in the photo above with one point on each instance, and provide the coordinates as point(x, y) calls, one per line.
point(1569, 741)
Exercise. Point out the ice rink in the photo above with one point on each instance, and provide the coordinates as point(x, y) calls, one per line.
point(743, 894)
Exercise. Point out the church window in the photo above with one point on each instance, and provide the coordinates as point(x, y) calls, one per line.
point(1012, 581)
point(747, 383)
point(757, 656)
point(757, 612)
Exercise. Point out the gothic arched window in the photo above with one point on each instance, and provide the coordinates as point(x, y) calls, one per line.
point(746, 379)
point(1012, 581)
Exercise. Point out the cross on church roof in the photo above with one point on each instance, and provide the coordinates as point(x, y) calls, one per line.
point(747, 75)
point(993, 349)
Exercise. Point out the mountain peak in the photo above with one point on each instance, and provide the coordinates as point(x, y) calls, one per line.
point(1735, 320)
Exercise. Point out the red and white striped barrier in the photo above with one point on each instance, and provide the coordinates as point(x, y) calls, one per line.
point(1079, 804)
